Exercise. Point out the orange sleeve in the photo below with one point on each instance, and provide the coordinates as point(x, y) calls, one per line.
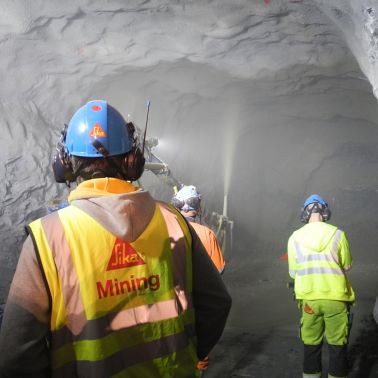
point(210, 242)
point(216, 252)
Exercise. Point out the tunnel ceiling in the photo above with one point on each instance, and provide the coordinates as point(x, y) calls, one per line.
point(266, 101)
point(49, 46)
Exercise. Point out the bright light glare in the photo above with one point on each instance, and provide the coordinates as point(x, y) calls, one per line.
point(162, 143)
point(83, 127)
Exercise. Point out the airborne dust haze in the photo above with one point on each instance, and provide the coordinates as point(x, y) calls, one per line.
point(261, 103)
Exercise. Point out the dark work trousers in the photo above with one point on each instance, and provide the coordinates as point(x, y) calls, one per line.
point(338, 363)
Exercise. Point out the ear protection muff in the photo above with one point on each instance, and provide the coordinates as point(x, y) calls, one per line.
point(133, 165)
point(62, 167)
point(326, 213)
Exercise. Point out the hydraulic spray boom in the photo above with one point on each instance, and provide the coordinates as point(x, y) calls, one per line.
point(158, 167)
point(219, 223)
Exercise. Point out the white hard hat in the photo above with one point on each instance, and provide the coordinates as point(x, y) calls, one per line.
point(187, 199)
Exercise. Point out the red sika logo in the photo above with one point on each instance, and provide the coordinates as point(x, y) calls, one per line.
point(123, 256)
point(97, 131)
point(308, 309)
point(96, 108)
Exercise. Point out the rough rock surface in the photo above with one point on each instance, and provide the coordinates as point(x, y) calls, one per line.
point(266, 101)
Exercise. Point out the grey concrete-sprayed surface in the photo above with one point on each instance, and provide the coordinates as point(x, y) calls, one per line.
point(265, 101)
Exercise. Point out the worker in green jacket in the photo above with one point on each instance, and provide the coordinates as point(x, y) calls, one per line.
point(319, 257)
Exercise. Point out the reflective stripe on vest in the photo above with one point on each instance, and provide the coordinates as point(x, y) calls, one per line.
point(330, 257)
point(302, 258)
point(127, 338)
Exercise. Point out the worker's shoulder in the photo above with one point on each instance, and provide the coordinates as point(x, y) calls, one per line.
point(169, 209)
point(318, 226)
point(297, 232)
point(331, 228)
point(43, 218)
point(167, 206)
point(202, 228)
point(321, 229)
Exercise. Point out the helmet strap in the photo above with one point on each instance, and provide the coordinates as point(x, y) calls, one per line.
point(100, 148)
point(316, 208)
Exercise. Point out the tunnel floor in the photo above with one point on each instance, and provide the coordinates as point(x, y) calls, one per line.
point(277, 353)
point(258, 346)
point(279, 356)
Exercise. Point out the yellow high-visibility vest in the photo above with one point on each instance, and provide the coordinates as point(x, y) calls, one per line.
point(318, 256)
point(118, 309)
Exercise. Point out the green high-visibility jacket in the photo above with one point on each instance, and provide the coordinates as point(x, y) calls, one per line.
point(319, 257)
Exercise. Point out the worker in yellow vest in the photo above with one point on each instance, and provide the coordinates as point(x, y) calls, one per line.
point(115, 284)
point(318, 258)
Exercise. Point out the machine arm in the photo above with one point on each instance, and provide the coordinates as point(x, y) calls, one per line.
point(221, 224)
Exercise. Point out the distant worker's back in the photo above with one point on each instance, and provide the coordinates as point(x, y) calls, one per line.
point(188, 201)
point(210, 242)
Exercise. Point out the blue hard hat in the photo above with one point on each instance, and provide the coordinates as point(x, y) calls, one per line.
point(315, 198)
point(97, 121)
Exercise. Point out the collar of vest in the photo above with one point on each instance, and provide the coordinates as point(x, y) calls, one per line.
point(101, 187)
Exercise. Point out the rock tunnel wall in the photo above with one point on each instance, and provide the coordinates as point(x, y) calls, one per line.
point(266, 102)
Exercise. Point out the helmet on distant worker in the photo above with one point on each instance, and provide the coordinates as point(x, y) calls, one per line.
point(319, 205)
point(187, 199)
point(97, 131)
